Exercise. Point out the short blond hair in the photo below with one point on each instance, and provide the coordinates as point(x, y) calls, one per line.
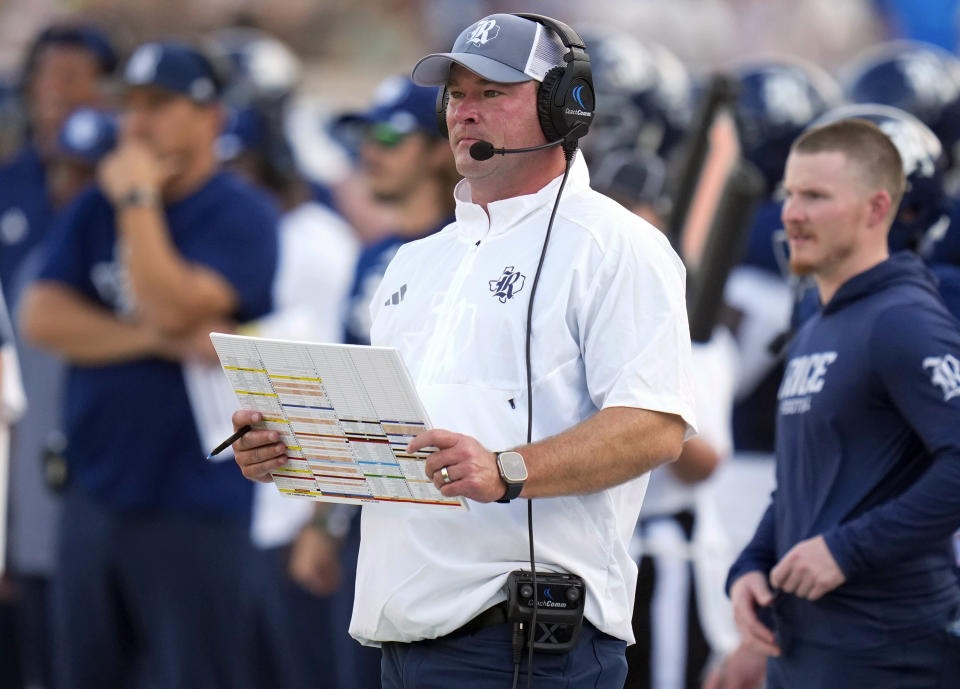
point(864, 143)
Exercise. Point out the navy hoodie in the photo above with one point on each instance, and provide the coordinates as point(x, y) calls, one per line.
point(868, 455)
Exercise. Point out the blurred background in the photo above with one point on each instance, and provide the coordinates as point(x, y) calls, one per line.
point(347, 45)
point(698, 101)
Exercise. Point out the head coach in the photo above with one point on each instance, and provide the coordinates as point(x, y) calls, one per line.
point(566, 384)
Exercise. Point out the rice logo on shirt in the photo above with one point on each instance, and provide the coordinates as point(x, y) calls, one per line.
point(14, 226)
point(803, 378)
point(111, 279)
point(945, 374)
point(508, 284)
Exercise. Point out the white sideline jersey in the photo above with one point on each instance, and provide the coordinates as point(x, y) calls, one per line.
point(609, 329)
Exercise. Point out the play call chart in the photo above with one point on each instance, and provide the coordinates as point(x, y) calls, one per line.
point(345, 412)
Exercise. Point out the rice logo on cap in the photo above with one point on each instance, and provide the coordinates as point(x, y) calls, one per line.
point(202, 89)
point(484, 32)
point(82, 130)
point(142, 67)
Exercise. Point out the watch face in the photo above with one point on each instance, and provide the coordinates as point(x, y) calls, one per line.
point(512, 467)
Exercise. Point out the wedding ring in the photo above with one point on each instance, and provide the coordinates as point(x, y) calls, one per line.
point(445, 475)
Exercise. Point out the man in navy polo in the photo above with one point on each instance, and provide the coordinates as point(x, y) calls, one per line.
point(67, 66)
point(154, 539)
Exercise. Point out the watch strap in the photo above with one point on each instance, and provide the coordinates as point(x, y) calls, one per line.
point(138, 197)
point(513, 491)
point(514, 488)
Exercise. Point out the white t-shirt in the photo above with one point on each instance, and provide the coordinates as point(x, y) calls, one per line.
point(609, 329)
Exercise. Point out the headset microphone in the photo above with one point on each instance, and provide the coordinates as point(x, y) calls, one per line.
point(484, 150)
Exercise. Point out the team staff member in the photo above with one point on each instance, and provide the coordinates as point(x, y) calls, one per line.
point(408, 168)
point(67, 66)
point(610, 369)
point(856, 541)
point(154, 540)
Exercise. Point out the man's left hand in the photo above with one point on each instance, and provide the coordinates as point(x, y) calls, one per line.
point(808, 570)
point(471, 467)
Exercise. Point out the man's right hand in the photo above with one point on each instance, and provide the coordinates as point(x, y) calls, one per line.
point(132, 165)
point(742, 669)
point(747, 593)
point(260, 451)
point(315, 561)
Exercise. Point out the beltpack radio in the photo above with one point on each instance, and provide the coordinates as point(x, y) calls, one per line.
point(559, 602)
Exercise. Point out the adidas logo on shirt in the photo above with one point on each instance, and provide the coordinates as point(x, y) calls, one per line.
point(396, 297)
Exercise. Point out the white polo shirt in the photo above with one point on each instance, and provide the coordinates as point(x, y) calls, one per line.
point(609, 329)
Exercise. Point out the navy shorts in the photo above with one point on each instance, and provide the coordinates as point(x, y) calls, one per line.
point(484, 660)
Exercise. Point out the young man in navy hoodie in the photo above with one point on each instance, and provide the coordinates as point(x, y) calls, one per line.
point(849, 580)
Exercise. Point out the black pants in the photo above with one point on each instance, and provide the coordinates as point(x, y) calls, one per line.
point(656, 582)
point(9, 646)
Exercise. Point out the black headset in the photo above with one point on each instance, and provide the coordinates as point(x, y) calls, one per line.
point(565, 98)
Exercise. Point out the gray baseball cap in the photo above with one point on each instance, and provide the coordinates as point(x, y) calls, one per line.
point(500, 47)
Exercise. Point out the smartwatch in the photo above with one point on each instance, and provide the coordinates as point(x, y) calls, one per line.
point(513, 471)
point(138, 197)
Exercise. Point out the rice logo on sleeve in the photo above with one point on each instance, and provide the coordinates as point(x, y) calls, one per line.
point(945, 374)
point(803, 378)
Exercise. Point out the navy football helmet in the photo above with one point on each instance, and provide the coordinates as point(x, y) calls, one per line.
point(261, 74)
point(643, 94)
point(633, 179)
point(925, 204)
point(778, 98)
point(260, 68)
point(917, 77)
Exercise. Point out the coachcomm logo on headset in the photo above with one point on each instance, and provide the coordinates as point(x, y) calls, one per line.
point(585, 112)
point(576, 96)
point(484, 31)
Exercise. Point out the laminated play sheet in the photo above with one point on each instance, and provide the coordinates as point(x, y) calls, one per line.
point(346, 414)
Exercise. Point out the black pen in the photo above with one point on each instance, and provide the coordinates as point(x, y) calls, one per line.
point(242, 431)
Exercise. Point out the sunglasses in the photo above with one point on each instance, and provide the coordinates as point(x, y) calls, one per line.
point(385, 135)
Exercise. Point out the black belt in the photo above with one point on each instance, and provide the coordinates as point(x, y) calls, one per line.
point(488, 618)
